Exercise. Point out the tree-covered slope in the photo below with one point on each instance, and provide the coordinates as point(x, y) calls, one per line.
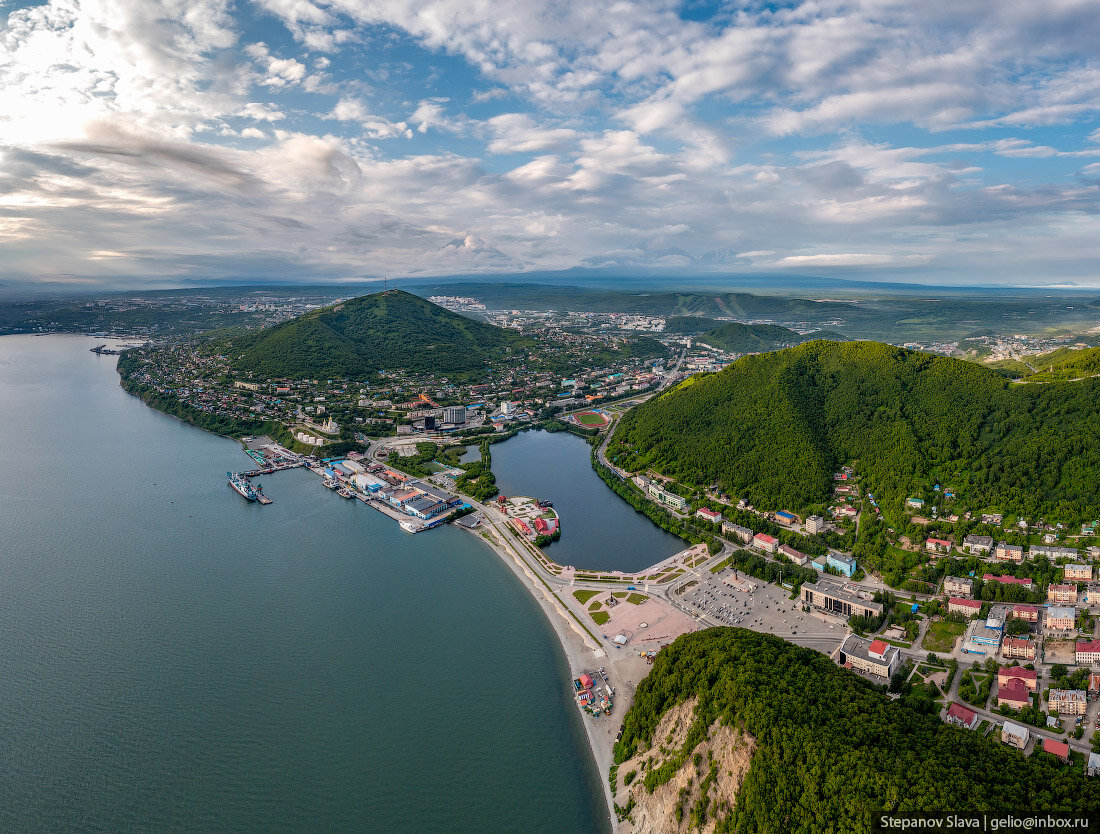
point(749, 338)
point(384, 331)
point(832, 753)
point(690, 325)
point(774, 427)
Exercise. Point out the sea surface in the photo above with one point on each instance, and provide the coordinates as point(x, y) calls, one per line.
point(599, 529)
point(174, 658)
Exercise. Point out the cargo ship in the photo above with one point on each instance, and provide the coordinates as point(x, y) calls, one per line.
point(242, 485)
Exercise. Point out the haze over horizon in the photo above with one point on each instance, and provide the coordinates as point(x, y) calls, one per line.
point(150, 143)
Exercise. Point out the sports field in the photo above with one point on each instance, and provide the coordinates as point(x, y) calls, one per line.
point(590, 418)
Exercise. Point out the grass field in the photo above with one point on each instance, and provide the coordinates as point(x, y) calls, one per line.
point(584, 596)
point(941, 636)
point(600, 617)
point(590, 418)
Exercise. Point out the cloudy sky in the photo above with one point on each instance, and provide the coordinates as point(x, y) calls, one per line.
point(152, 142)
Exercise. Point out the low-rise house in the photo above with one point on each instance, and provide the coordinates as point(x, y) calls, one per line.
point(966, 607)
point(709, 515)
point(1059, 618)
point(815, 524)
point(1063, 594)
point(938, 546)
point(1092, 767)
point(736, 531)
point(1005, 552)
point(1087, 652)
point(764, 542)
point(796, 556)
point(955, 586)
point(1078, 572)
point(1016, 648)
point(1023, 581)
point(1028, 613)
point(1015, 734)
point(1067, 701)
point(915, 503)
point(1013, 695)
point(1028, 677)
point(1056, 748)
point(978, 544)
point(992, 518)
point(875, 657)
point(962, 716)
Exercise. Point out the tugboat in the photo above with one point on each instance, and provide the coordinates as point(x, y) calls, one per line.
point(241, 485)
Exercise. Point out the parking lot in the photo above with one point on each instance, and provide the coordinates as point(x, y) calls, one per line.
point(767, 608)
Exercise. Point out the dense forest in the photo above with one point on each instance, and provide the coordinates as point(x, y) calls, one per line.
point(774, 427)
point(833, 753)
point(753, 338)
point(391, 330)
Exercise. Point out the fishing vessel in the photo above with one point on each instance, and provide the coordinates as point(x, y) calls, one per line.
point(241, 485)
point(344, 492)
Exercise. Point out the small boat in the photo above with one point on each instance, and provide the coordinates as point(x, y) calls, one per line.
point(344, 492)
point(330, 483)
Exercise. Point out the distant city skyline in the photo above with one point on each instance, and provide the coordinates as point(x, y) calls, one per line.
point(156, 143)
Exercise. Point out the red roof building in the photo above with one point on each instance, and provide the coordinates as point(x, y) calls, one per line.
point(1030, 613)
point(1028, 677)
point(1014, 694)
point(586, 681)
point(1007, 580)
point(878, 648)
point(963, 717)
point(1058, 748)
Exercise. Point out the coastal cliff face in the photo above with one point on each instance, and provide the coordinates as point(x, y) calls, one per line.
point(704, 786)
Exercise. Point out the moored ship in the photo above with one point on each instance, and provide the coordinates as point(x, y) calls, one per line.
point(242, 485)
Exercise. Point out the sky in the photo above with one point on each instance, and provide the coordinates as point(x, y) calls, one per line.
point(154, 142)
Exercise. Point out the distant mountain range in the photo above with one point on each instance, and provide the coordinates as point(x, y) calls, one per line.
point(385, 331)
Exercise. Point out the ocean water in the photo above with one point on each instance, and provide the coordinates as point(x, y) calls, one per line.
point(174, 658)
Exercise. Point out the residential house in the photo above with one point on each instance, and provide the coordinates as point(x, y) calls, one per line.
point(709, 515)
point(1078, 572)
point(915, 503)
point(1014, 695)
point(1023, 581)
point(978, 544)
point(966, 607)
point(962, 716)
point(1017, 648)
point(736, 531)
point(1015, 734)
point(1060, 618)
point(1064, 594)
point(815, 524)
point(1029, 677)
point(1005, 552)
point(1092, 595)
point(955, 586)
point(796, 556)
point(938, 546)
point(1087, 652)
point(992, 518)
point(1067, 701)
point(1028, 613)
point(1056, 748)
point(875, 657)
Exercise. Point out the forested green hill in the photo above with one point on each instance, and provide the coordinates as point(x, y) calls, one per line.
point(748, 338)
point(384, 331)
point(833, 753)
point(774, 427)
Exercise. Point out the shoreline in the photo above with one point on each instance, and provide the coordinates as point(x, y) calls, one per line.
point(578, 648)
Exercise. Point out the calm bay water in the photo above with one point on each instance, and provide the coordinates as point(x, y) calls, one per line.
point(173, 658)
point(599, 529)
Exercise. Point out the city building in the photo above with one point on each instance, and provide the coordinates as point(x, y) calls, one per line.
point(845, 564)
point(1017, 648)
point(671, 499)
point(786, 519)
point(736, 531)
point(978, 544)
point(454, 414)
point(1087, 652)
point(875, 657)
point(1028, 613)
point(1014, 695)
point(1060, 618)
point(938, 546)
point(962, 716)
point(796, 556)
point(966, 607)
point(815, 524)
point(1092, 595)
point(838, 598)
point(1009, 553)
point(1056, 748)
point(709, 515)
point(1024, 582)
point(981, 639)
point(1064, 594)
point(764, 542)
point(1028, 677)
point(1015, 734)
point(1078, 572)
point(1067, 701)
point(954, 586)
